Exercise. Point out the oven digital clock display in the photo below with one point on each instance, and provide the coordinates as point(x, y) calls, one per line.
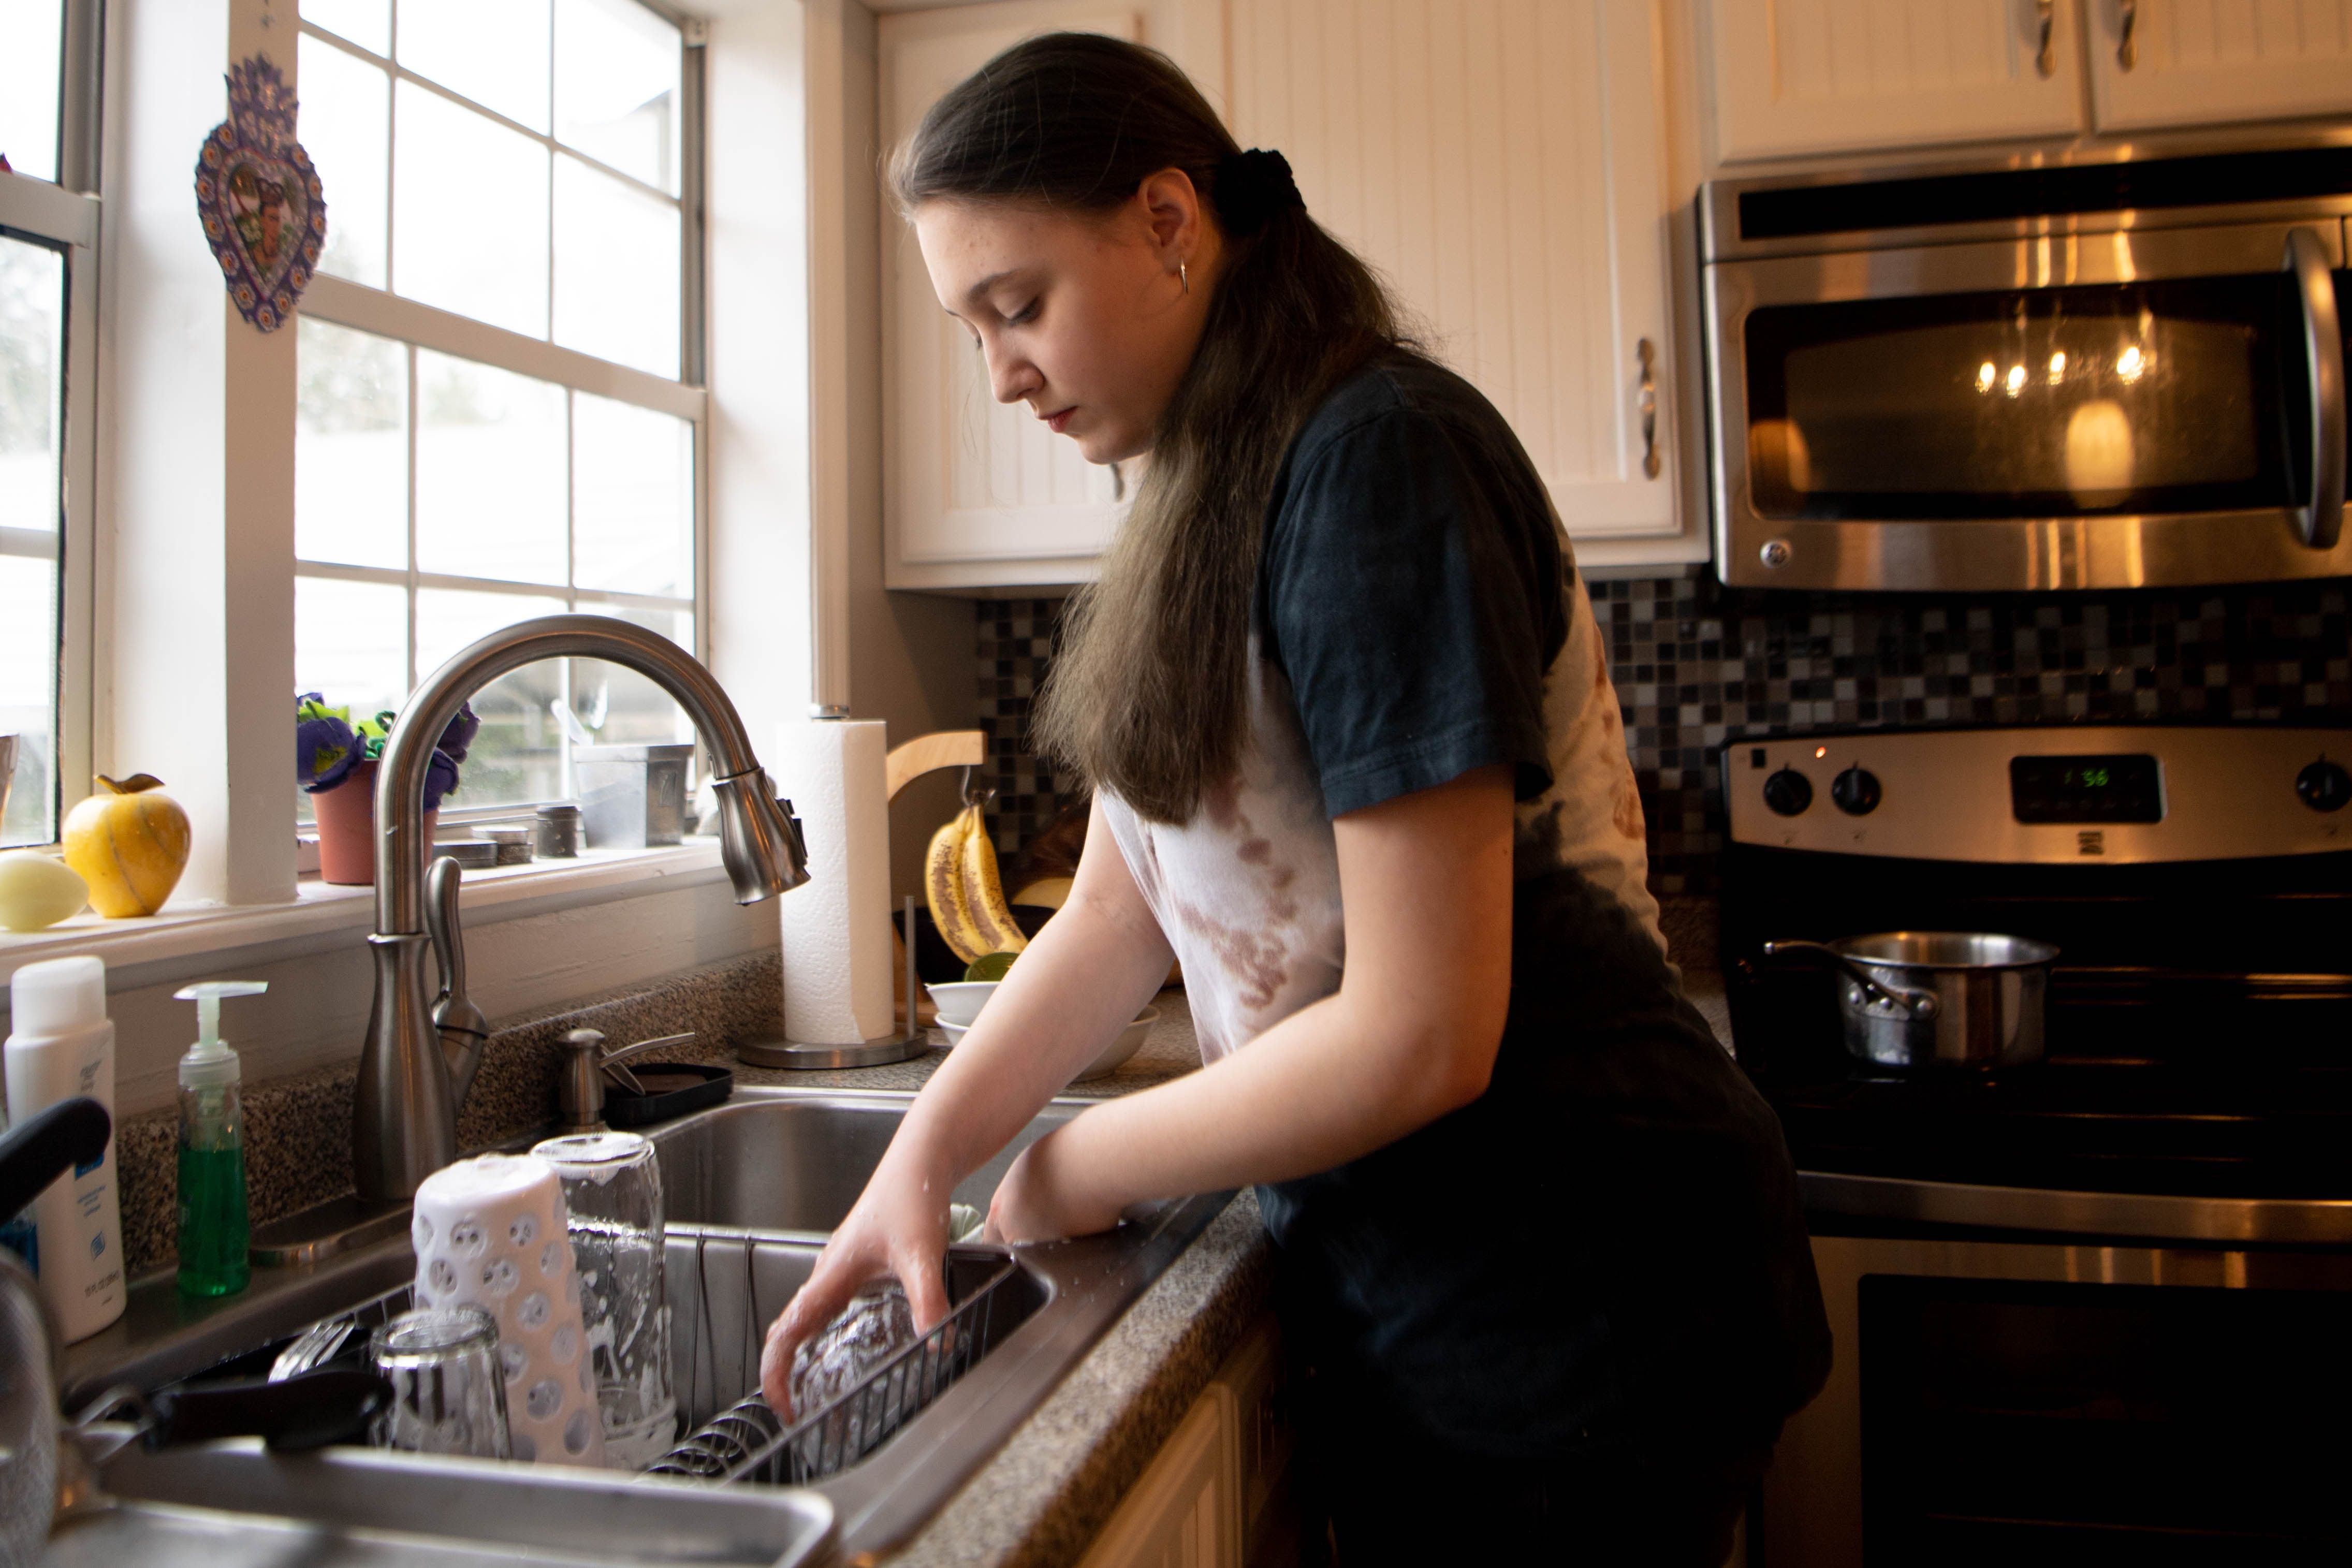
point(2114, 789)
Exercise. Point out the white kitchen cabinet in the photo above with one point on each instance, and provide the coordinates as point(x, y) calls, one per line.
point(1832, 76)
point(977, 493)
point(1210, 1497)
point(2158, 63)
point(1502, 164)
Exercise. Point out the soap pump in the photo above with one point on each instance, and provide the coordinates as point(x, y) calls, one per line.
point(213, 1229)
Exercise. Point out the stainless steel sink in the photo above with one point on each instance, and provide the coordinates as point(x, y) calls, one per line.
point(755, 1184)
point(793, 1160)
point(353, 1508)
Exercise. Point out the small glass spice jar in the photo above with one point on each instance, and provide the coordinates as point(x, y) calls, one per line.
point(556, 833)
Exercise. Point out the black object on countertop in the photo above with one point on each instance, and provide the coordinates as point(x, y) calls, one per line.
point(672, 1089)
point(42, 1147)
point(292, 1416)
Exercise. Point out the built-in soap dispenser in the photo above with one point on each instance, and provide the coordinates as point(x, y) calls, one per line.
point(213, 1228)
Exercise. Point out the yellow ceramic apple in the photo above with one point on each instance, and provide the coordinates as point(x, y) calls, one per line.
point(130, 841)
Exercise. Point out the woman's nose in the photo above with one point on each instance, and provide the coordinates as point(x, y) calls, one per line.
point(1010, 377)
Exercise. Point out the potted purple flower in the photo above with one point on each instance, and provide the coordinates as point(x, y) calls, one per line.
point(335, 762)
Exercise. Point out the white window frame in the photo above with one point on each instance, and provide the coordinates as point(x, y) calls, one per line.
point(413, 324)
point(65, 214)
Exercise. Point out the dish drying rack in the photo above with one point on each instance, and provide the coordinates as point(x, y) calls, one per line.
point(725, 1287)
point(746, 1441)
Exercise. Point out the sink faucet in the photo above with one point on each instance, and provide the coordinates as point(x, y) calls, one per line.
point(419, 1059)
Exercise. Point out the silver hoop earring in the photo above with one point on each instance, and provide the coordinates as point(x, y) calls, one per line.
point(1185, 275)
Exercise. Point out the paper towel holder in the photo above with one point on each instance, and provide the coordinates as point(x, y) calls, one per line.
point(880, 1051)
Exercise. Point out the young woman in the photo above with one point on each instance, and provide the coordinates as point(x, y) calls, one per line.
point(1357, 761)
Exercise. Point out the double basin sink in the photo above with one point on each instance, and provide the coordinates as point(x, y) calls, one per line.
point(753, 1188)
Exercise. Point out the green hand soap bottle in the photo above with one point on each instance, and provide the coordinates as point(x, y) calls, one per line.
point(214, 1231)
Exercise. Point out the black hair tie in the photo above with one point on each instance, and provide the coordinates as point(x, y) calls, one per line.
point(1252, 187)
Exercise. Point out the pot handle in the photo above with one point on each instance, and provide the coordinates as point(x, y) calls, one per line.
point(1918, 1004)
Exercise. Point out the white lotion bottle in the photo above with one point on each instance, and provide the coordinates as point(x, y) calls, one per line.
point(61, 1046)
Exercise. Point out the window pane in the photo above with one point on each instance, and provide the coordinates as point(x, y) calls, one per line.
point(632, 483)
point(470, 214)
point(32, 344)
point(346, 122)
point(616, 263)
point(350, 644)
point(28, 696)
point(616, 87)
point(622, 708)
point(367, 23)
point(495, 53)
point(490, 472)
point(351, 448)
point(515, 756)
point(32, 55)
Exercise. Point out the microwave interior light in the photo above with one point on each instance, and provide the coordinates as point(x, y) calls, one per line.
point(1986, 376)
point(1819, 752)
point(2131, 364)
point(2014, 382)
point(2057, 367)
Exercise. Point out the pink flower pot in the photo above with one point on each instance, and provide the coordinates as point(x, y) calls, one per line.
point(347, 828)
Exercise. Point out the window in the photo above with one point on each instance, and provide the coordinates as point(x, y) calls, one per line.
point(495, 413)
point(48, 237)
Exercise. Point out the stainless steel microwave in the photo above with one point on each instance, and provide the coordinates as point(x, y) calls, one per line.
point(2096, 374)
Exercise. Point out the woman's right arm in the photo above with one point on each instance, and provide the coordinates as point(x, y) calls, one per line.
point(1088, 973)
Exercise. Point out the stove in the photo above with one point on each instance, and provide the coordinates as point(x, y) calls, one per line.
point(2045, 1278)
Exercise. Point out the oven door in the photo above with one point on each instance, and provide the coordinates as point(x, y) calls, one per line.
point(2027, 1403)
point(2142, 408)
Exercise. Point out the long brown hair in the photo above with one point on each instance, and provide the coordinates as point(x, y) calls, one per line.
point(1149, 695)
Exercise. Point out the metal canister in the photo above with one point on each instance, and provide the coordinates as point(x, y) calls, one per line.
point(556, 832)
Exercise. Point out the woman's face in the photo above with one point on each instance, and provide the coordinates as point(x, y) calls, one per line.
point(1085, 317)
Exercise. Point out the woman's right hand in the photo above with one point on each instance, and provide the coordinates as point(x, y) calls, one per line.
point(900, 1226)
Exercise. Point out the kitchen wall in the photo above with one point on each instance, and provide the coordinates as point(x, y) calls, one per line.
point(1697, 664)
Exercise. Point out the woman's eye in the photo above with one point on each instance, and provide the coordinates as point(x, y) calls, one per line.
point(1026, 314)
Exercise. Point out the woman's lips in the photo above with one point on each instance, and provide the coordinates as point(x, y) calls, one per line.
point(1056, 422)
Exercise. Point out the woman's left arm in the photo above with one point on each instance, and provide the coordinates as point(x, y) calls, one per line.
point(1410, 1034)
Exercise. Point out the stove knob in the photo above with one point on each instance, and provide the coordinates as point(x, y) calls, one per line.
point(1788, 792)
point(2324, 786)
point(1855, 790)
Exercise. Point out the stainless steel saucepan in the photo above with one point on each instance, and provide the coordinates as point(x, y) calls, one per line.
point(1937, 998)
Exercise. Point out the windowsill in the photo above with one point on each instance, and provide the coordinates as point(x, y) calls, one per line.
point(322, 916)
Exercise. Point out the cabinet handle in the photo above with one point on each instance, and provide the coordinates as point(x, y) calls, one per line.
point(2045, 55)
point(1649, 408)
point(2126, 30)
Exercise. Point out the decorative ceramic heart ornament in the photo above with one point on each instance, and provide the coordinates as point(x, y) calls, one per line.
point(263, 209)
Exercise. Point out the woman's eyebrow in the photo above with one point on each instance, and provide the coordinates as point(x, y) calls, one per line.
point(978, 291)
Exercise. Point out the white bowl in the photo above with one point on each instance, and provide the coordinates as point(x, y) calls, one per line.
point(961, 1003)
point(1131, 1040)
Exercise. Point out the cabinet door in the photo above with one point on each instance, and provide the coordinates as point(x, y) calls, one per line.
point(969, 480)
point(2189, 62)
point(1184, 1512)
point(1838, 76)
point(1502, 164)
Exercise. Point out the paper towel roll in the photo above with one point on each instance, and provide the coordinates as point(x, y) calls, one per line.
point(836, 928)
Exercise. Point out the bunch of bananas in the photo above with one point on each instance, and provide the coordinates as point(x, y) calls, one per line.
point(966, 896)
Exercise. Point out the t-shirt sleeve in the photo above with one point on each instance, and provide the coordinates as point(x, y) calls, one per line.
point(1404, 609)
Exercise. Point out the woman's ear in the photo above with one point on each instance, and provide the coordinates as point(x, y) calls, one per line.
point(1172, 211)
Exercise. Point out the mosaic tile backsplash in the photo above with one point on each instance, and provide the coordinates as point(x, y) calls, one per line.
point(1697, 664)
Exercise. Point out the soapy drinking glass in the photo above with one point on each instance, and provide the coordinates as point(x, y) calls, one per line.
point(449, 1396)
point(612, 1190)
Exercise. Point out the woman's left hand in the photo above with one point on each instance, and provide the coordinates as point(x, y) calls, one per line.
point(1040, 1198)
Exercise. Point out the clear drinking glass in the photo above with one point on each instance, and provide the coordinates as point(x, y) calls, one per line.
point(612, 1190)
point(447, 1394)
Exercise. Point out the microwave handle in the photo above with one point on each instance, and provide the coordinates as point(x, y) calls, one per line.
point(2323, 522)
